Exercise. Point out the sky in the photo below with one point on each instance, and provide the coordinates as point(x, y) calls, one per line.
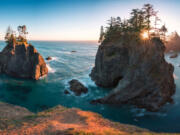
point(76, 19)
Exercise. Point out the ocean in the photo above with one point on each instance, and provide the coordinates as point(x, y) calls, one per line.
point(66, 65)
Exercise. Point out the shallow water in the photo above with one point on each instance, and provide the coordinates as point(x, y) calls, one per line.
point(66, 65)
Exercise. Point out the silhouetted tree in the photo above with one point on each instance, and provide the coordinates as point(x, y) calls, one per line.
point(149, 12)
point(140, 21)
point(134, 18)
point(9, 32)
point(176, 35)
point(101, 38)
point(163, 31)
point(118, 21)
point(22, 31)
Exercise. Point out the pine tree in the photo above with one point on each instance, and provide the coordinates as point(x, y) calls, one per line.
point(101, 38)
point(163, 31)
point(9, 32)
point(22, 31)
point(134, 19)
point(149, 12)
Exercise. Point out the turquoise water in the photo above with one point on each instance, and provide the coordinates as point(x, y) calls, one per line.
point(49, 91)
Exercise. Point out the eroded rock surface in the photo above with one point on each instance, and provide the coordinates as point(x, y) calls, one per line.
point(62, 121)
point(9, 111)
point(137, 71)
point(77, 87)
point(21, 60)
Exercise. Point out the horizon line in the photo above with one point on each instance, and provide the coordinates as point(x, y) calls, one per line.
point(62, 40)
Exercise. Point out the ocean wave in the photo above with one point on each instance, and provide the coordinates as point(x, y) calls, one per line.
point(50, 69)
point(64, 52)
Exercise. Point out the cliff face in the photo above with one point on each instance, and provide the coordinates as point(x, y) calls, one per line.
point(15, 120)
point(19, 59)
point(59, 121)
point(137, 71)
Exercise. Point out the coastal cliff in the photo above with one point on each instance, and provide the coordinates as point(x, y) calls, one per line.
point(22, 60)
point(137, 71)
point(61, 121)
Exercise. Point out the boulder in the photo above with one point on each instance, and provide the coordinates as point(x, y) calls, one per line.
point(49, 58)
point(66, 92)
point(174, 55)
point(77, 87)
point(73, 51)
point(22, 60)
point(137, 72)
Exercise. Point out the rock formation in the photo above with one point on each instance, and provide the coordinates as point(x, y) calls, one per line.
point(175, 55)
point(77, 87)
point(66, 92)
point(73, 51)
point(137, 71)
point(49, 58)
point(9, 111)
point(20, 59)
point(60, 121)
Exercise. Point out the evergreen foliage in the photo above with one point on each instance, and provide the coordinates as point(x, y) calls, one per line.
point(11, 35)
point(140, 20)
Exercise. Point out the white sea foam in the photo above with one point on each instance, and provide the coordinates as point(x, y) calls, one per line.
point(50, 69)
point(140, 114)
point(55, 58)
point(64, 52)
point(175, 77)
point(42, 77)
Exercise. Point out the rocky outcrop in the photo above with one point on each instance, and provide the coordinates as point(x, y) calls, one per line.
point(49, 58)
point(61, 121)
point(77, 87)
point(73, 51)
point(174, 55)
point(66, 92)
point(20, 59)
point(137, 71)
point(9, 111)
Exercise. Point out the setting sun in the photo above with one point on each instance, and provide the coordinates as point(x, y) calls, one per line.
point(145, 35)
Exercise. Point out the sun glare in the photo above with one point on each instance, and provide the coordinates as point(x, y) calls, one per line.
point(145, 35)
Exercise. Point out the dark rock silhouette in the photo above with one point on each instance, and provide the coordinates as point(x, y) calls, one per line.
point(137, 71)
point(49, 58)
point(73, 51)
point(21, 60)
point(174, 55)
point(77, 87)
point(66, 92)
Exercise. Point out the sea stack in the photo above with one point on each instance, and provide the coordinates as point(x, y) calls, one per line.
point(77, 87)
point(20, 59)
point(138, 72)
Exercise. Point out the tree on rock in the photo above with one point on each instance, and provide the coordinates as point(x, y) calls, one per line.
point(22, 32)
point(163, 31)
point(149, 12)
point(101, 38)
point(134, 18)
point(10, 34)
